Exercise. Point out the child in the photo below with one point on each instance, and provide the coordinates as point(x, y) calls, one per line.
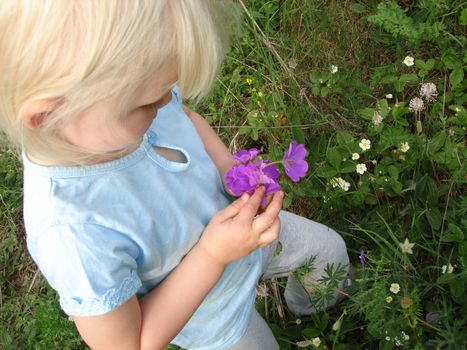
point(124, 205)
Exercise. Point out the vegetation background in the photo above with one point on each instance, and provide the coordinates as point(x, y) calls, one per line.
point(327, 73)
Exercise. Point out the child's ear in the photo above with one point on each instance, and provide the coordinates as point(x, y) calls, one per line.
point(34, 114)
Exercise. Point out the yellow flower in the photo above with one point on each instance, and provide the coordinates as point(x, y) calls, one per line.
point(249, 81)
point(389, 299)
point(260, 94)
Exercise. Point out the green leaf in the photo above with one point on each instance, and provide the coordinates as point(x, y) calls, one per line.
point(434, 218)
point(344, 139)
point(334, 157)
point(347, 167)
point(456, 76)
point(326, 171)
point(325, 91)
point(457, 287)
point(366, 113)
point(409, 78)
point(446, 278)
point(435, 144)
point(463, 17)
point(311, 332)
point(456, 234)
point(397, 187)
point(393, 171)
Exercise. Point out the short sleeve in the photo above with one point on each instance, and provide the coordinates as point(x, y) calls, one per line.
point(92, 268)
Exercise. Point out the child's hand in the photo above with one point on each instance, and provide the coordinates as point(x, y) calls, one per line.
point(234, 232)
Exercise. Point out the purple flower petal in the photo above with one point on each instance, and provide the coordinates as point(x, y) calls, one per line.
point(294, 161)
point(244, 156)
point(362, 258)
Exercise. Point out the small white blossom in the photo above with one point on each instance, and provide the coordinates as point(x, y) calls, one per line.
point(395, 288)
point(365, 144)
point(406, 247)
point(388, 339)
point(355, 156)
point(428, 92)
point(361, 168)
point(388, 96)
point(416, 104)
point(316, 342)
point(405, 336)
point(408, 61)
point(334, 69)
point(389, 299)
point(402, 157)
point(377, 118)
point(292, 64)
point(341, 183)
point(449, 269)
point(404, 147)
point(398, 343)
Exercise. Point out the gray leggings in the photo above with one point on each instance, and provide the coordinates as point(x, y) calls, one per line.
point(300, 239)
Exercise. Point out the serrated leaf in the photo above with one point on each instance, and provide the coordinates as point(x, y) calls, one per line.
point(393, 172)
point(344, 138)
point(334, 157)
point(409, 78)
point(311, 332)
point(347, 167)
point(325, 91)
point(396, 187)
point(463, 17)
point(366, 113)
point(456, 76)
point(326, 171)
point(435, 144)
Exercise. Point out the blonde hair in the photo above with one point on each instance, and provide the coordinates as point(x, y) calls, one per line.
point(77, 53)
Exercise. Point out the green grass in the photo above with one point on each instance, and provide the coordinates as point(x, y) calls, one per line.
point(285, 48)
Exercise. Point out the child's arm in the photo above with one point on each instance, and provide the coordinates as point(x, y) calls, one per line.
point(152, 323)
point(214, 146)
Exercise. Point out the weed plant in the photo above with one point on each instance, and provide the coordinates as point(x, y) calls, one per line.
point(376, 91)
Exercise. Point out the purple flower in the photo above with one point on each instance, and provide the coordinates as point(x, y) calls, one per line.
point(432, 317)
point(247, 177)
point(362, 258)
point(244, 156)
point(294, 161)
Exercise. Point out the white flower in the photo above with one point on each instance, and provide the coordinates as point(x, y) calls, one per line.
point(365, 144)
point(341, 183)
point(395, 288)
point(334, 69)
point(388, 339)
point(406, 247)
point(316, 342)
point(404, 147)
point(377, 118)
point(428, 91)
point(355, 156)
point(398, 343)
point(405, 336)
point(389, 299)
point(416, 104)
point(402, 157)
point(388, 96)
point(448, 269)
point(361, 168)
point(408, 61)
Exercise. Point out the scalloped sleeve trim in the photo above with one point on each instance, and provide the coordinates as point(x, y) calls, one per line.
point(112, 299)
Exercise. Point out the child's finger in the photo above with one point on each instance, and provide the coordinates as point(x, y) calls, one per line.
point(271, 234)
point(266, 219)
point(233, 209)
point(250, 208)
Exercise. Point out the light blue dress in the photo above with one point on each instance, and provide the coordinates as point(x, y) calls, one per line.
point(104, 232)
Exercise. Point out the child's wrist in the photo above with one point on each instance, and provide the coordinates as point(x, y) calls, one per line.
point(205, 253)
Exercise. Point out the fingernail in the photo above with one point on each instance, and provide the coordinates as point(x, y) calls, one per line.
point(281, 193)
